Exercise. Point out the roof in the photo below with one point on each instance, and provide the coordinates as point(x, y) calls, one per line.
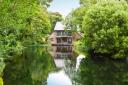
point(59, 26)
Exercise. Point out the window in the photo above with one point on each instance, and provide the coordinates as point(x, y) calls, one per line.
point(58, 40)
point(69, 40)
point(58, 33)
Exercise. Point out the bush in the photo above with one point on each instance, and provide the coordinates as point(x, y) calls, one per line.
point(105, 27)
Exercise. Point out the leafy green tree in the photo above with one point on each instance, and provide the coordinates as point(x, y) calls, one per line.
point(22, 22)
point(45, 3)
point(54, 17)
point(104, 24)
point(88, 2)
point(106, 28)
point(74, 19)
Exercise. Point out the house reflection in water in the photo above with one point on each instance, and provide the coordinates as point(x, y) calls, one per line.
point(60, 53)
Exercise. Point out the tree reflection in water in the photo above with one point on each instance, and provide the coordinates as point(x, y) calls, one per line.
point(30, 69)
point(36, 66)
point(102, 72)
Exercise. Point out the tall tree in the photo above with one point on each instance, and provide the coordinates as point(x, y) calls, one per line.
point(101, 21)
point(54, 17)
point(45, 3)
point(75, 18)
point(22, 22)
point(105, 28)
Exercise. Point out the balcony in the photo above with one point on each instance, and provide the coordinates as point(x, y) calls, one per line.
point(63, 34)
point(64, 41)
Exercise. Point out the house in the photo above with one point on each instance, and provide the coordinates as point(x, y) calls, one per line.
point(62, 37)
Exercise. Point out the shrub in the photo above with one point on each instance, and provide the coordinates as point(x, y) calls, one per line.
point(105, 27)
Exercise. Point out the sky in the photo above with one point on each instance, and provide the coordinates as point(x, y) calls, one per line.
point(64, 7)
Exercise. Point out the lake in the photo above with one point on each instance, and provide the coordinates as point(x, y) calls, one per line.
point(63, 65)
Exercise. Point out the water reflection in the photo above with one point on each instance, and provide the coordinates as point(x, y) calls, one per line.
point(102, 72)
point(31, 68)
point(60, 54)
point(59, 78)
point(65, 59)
point(57, 66)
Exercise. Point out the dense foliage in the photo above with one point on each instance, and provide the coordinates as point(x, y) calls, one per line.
point(22, 23)
point(54, 17)
point(105, 26)
point(74, 19)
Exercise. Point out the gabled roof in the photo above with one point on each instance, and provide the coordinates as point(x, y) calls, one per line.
point(59, 26)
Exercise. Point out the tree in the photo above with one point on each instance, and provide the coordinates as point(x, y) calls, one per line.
point(22, 22)
point(54, 17)
point(106, 28)
point(74, 19)
point(45, 3)
point(88, 2)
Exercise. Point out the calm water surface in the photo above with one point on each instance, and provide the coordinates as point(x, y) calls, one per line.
point(60, 66)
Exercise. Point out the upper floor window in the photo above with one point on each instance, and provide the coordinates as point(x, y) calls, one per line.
point(62, 33)
point(58, 33)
